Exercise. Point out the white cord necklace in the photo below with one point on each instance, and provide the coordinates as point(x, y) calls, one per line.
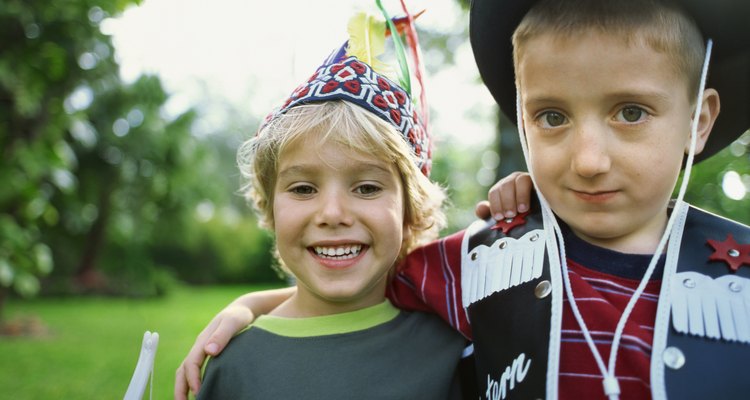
point(609, 382)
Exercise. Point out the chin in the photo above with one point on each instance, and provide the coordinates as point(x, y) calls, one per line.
point(595, 231)
point(341, 295)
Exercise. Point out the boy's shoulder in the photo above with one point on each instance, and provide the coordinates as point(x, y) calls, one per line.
point(711, 222)
point(499, 255)
point(701, 309)
point(392, 350)
point(719, 245)
point(710, 244)
point(397, 322)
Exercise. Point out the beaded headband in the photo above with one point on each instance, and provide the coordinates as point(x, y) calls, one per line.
point(345, 76)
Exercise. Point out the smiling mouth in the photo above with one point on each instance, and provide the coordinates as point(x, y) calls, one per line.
point(338, 252)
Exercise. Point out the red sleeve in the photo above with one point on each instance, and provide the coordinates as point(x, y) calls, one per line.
point(429, 279)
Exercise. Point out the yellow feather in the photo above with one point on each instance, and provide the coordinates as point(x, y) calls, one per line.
point(367, 40)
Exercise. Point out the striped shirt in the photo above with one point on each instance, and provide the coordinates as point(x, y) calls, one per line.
point(602, 281)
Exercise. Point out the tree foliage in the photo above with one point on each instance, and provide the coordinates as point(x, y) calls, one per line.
point(706, 187)
point(47, 52)
point(102, 190)
point(97, 179)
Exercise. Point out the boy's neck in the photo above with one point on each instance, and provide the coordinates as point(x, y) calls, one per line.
point(644, 243)
point(304, 305)
point(610, 262)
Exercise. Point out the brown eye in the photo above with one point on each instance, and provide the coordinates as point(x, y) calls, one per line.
point(367, 189)
point(302, 190)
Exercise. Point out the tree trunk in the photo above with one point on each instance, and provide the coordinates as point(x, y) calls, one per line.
point(88, 277)
point(3, 297)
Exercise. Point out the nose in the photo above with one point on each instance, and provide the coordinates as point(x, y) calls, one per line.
point(334, 209)
point(590, 152)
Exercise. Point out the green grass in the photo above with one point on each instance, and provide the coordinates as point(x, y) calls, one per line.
point(94, 343)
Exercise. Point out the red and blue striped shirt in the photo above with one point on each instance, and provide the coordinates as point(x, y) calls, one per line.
point(603, 281)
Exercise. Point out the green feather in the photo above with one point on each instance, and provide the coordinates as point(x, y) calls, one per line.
point(403, 70)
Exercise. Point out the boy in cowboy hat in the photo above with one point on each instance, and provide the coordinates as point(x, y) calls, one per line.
point(610, 98)
point(630, 294)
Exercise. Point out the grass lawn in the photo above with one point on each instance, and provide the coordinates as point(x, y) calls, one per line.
point(94, 343)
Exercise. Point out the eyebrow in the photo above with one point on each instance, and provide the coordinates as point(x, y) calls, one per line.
point(357, 167)
point(645, 95)
point(650, 95)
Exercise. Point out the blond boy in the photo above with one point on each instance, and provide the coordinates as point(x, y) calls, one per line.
point(339, 175)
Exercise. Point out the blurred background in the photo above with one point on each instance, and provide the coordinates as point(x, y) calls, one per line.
point(119, 210)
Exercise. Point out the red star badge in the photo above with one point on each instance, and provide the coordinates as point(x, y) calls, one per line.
point(507, 224)
point(730, 252)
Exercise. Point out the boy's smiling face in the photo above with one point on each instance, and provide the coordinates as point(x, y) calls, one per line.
point(607, 125)
point(339, 224)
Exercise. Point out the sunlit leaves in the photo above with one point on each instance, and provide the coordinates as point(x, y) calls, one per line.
point(40, 69)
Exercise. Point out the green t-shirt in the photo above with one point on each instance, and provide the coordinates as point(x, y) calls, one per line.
point(378, 353)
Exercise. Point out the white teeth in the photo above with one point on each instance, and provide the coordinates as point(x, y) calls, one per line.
point(342, 252)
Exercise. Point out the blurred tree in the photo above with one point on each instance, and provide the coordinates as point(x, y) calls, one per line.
point(220, 241)
point(711, 181)
point(95, 174)
point(48, 50)
point(137, 171)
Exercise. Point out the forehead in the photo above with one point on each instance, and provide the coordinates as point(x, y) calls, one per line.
point(595, 63)
point(333, 150)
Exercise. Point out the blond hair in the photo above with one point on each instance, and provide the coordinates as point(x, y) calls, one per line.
point(361, 131)
point(660, 24)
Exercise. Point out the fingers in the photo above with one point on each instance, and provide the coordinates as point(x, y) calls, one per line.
point(212, 340)
point(233, 320)
point(188, 375)
point(524, 186)
point(510, 195)
point(180, 384)
point(192, 368)
point(217, 334)
point(482, 209)
point(502, 198)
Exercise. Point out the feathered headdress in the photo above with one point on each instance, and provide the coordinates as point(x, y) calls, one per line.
point(355, 73)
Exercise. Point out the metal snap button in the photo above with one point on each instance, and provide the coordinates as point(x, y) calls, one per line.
point(673, 357)
point(543, 289)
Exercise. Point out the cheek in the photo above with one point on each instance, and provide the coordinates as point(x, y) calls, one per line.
point(273, 221)
point(285, 216)
point(545, 161)
point(662, 157)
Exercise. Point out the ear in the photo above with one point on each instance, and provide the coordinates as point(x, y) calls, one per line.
point(709, 111)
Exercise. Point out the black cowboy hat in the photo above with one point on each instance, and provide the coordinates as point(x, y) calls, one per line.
point(726, 22)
